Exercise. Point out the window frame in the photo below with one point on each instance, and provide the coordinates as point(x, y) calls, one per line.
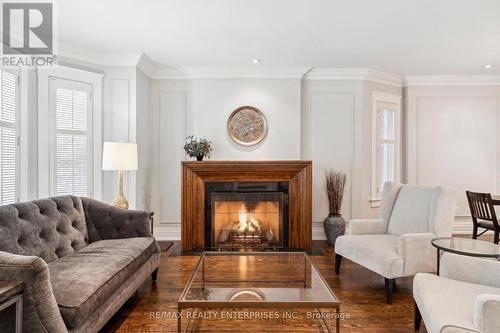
point(17, 128)
point(54, 83)
point(45, 143)
point(379, 98)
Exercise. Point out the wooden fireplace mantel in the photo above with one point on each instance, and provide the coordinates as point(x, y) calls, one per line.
point(298, 174)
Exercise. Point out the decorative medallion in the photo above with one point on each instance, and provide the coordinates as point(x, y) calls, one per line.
point(247, 126)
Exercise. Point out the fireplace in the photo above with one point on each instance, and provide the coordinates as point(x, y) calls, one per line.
point(246, 215)
point(255, 189)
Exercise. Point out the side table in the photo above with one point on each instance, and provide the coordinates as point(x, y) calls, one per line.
point(12, 293)
point(465, 247)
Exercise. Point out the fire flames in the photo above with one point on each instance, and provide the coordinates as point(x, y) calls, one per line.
point(247, 223)
point(246, 227)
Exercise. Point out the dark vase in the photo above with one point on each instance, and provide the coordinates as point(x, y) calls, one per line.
point(200, 157)
point(334, 227)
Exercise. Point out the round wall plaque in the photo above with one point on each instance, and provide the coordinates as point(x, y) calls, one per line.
point(247, 126)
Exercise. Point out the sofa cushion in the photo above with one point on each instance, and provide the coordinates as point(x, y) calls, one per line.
point(47, 228)
point(85, 279)
point(447, 305)
point(411, 210)
point(376, 252)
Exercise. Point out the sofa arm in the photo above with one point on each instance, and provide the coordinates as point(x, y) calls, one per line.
point(365, 227)
point(485, 313)
point(105, 221)
point(418, 253)
point(470, 269)
point(40, 310)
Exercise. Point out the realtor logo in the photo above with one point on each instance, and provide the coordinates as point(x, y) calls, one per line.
point(28, 29)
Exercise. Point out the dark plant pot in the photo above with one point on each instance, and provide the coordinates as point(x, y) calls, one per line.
point(199, 157)
point(334, 227)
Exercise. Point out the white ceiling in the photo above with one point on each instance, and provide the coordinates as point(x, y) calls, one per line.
point(405, 37)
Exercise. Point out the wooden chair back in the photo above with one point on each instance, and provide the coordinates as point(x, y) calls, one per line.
point(481, 207)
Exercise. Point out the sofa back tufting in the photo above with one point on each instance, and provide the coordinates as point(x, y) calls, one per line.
point(47, 228)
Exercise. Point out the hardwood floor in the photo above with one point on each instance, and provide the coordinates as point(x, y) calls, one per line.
point(361, 293)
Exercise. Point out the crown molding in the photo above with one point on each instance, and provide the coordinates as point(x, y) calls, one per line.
point(384, 78)
point(110, 59)
point(143, 62)
point(170, 73)
point(322, 73)
point(452, 80)
point(363, 74)
point(246, 72)
point(146, 65)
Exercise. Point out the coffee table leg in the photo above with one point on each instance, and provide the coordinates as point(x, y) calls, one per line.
point(325, 322)
point(179, 320)
point(337, 320)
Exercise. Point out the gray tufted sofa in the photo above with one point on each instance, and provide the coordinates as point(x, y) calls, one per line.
point(80, 260)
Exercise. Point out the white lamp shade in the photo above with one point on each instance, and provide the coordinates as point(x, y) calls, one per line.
point(119, 156)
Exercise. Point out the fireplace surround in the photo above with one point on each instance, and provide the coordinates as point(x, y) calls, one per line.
point(249, 178)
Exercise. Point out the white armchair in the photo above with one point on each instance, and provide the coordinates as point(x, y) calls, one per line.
point(399, 242)
point(465, 297)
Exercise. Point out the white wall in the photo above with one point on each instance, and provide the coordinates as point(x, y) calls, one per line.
point(201, 107)
point(279, 99)
point(143, 174)
point(330, 118)
point(320, 120)
point(119, 124)
point(453, 139)
point(170, 121)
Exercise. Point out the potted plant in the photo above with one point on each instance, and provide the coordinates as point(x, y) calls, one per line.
point(334, 187)
point(198, 148)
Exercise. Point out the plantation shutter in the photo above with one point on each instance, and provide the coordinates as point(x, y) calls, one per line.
point(8, 137)
point(72, 138)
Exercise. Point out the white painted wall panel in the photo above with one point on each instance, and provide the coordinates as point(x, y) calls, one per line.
point(278, 99)
point(331, 145)
point(456, 144)
point(171, 135)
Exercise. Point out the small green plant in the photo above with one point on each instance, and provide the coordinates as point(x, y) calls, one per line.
point(198, 147)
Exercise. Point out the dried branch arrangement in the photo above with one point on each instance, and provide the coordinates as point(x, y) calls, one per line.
point(334, 187)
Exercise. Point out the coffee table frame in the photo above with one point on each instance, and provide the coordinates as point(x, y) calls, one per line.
point(205, 304)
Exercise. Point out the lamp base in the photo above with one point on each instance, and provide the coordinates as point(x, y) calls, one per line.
point(120, 201)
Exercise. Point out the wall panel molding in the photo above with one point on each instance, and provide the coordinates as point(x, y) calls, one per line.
point(340, 147)
point(173, 107)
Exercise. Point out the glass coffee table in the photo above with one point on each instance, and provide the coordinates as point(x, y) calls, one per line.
point(273, 281)
point(466, 247)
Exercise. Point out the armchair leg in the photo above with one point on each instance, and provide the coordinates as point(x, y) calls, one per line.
point(389, 289)
point(418, 317)
point(338, 259)
point(154, 275)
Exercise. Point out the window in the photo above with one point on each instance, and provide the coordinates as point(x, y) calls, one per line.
point(72, 155)
point(386, 142)
point(8, 137)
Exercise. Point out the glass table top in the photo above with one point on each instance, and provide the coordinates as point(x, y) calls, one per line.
point(467, 246)
point(256, 277)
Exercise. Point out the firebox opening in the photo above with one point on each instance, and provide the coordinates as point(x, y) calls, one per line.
point(247, 222)
point(247, 215)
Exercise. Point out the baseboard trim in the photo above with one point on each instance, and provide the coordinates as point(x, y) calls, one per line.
point(167, 233)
